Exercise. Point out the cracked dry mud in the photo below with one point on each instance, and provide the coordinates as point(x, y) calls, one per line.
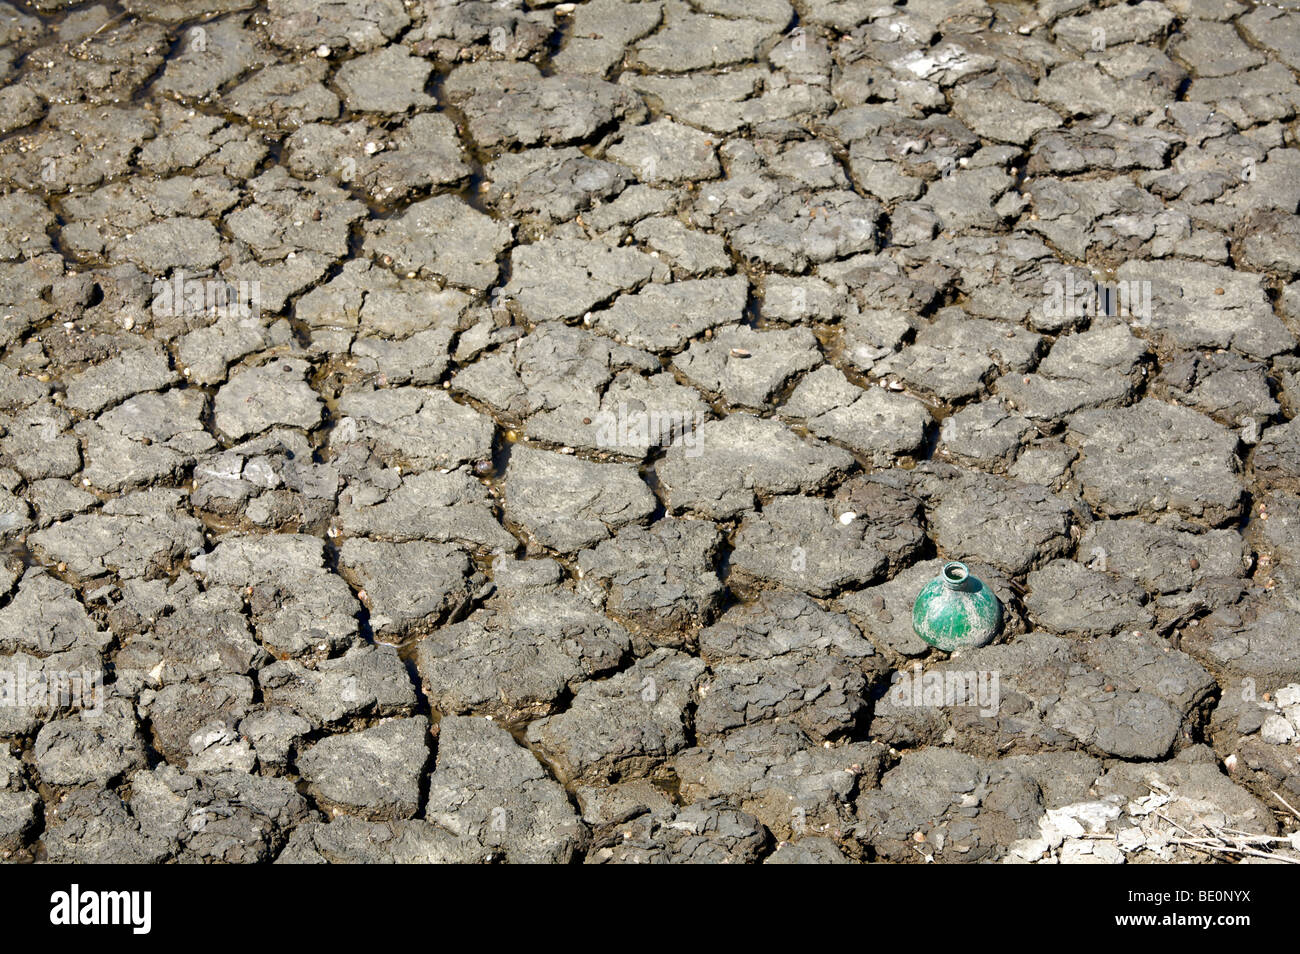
point(612, 376)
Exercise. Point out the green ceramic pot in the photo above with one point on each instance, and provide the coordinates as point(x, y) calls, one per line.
point(956, 610)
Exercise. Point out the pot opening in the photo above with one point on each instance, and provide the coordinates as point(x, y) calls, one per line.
point(955, 574)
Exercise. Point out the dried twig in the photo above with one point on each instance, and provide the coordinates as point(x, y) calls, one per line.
point(1217, 846)
point(1287, 804)
point(1223, 841)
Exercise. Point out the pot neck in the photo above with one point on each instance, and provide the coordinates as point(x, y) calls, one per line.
point(955, 576)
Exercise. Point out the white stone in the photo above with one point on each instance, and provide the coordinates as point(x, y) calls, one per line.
point(1028, 849)
point(1093, 815)
point(1065, 824)
point(1131, 839)
point(1147, 804)
point(1108, 853)
point(1276, 730)
point(1288, 696)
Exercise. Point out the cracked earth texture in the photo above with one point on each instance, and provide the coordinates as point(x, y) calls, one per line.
point(509, 431)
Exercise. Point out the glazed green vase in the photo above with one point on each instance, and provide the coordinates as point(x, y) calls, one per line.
point(956, 610)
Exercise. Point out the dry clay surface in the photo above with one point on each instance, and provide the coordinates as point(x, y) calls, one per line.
point(508, 431)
